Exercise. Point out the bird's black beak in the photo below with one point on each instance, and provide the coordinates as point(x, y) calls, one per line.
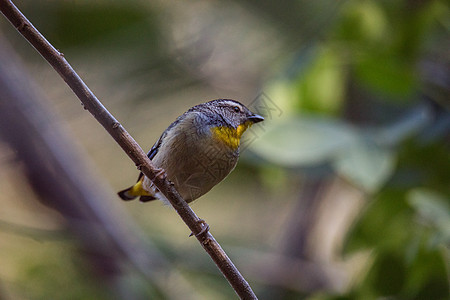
point(255, 118)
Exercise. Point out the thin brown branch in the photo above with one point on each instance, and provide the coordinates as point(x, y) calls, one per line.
point(128, 144)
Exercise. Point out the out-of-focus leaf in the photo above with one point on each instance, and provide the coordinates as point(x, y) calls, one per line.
point(322, 88)
point(365, 21)
point(387, 227)
point(387, 211)
point(422, 279)
point(387, 74)
point(303, 141)
point(434, 209)
point(407, 125)
point(365, 164)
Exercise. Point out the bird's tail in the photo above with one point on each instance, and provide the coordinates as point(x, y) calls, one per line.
point(135, 191)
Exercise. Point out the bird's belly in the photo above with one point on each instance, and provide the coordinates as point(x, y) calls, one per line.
point(198, 174)
point(197, 171)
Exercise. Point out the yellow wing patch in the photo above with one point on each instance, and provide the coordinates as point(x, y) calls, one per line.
point(138, 189)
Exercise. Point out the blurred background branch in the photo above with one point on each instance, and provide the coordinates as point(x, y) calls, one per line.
point(58, 175)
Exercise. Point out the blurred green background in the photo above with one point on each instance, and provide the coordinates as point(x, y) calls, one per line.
point(342, 193)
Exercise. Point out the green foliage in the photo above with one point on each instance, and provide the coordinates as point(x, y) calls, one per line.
point(366, 72)
point(404, 266)
point(54, 273)
point(325, 71)
point(408, 230)
point(432, 209)
point(387, 74)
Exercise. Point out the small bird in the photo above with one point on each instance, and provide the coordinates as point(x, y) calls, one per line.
point(197, 151)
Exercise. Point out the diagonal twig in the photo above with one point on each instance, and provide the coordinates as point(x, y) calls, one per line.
point(132, 149)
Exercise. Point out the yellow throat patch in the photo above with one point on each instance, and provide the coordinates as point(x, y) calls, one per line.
point(230, 136)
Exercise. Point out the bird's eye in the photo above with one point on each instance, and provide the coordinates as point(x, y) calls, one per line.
point(236, 109)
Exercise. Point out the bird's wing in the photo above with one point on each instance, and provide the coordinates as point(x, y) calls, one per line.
point(151, 154)
point(154, 150)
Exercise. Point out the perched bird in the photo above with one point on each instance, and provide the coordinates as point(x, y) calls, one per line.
point(198, 150)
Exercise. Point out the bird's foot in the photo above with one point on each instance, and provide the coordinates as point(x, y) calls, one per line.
point(160, 173)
